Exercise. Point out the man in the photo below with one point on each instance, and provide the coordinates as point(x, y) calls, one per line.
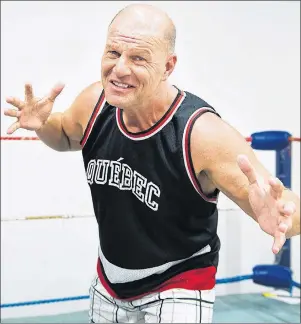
point(156, 158)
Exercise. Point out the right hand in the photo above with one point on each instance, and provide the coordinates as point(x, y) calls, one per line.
point(32, 113)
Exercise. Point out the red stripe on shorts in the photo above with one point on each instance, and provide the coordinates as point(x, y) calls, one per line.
point(196, 279)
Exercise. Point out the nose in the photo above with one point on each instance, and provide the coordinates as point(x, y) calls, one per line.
point(121, 68)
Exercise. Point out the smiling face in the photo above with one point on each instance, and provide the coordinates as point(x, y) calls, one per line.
point(136, 60)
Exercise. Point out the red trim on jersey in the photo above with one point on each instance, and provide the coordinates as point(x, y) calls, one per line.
point(92, 119)
point(173, 107)
point(188, 156)
point(196, 279)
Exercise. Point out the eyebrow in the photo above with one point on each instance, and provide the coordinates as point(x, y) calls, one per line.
point(142, 51)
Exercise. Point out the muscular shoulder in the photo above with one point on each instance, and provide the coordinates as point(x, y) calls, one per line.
point(76, 117)
point(215, 147)
point(85, 102)
point(212, 141)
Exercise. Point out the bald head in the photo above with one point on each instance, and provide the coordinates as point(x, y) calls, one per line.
point(150, 18)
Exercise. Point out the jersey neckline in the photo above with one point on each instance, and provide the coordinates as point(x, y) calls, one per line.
point(157, 126)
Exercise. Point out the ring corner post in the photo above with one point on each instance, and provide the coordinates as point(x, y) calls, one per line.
point(284, 174)
point(278, 141)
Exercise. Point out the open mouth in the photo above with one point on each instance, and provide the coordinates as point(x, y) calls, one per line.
point(121, 85)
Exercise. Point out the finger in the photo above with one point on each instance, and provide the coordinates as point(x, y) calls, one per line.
point(286, 208)
point(13, 128)
point(283, 227)
point(15, 102)
point(276, 187)
point(285, 224)
point(55, 91)
point(247, 168)
point(12, 113)
point(289, 208)
point(279, 240)
point(28, 92)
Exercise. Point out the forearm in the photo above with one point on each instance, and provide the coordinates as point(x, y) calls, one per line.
point(53, 135)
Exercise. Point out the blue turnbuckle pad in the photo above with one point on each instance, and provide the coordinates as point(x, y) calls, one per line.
point(273, 276)
point(270, 140)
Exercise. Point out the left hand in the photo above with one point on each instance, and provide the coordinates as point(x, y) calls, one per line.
point(273, 215)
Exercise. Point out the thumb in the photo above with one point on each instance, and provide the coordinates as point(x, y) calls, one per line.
point(55, 91)
point(247, 168)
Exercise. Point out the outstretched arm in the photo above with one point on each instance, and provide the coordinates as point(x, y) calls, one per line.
point(228, 160)
point(62, 131)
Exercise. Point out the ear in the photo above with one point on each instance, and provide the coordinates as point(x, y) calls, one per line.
point(170, 66)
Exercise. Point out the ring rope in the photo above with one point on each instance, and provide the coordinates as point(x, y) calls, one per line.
point(64, 299)
point(33, 138)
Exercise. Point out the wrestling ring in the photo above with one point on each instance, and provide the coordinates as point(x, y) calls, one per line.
point(281, 303)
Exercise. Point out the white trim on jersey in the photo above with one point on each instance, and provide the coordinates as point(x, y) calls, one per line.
point(116, 274)
point(156, 130)
point(94, 117)
point(186, 157)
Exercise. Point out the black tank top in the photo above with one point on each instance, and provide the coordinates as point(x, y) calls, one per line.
point(154, 220)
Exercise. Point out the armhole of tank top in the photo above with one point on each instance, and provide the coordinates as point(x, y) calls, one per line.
point(187, 154)
point(96, 111)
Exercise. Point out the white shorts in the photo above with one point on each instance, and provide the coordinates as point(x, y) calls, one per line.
point(170, 306)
